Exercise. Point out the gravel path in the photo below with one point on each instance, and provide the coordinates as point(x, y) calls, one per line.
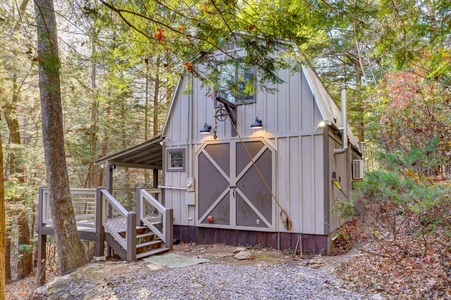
point(205, 281)
point(214, 281)
point(269, 275)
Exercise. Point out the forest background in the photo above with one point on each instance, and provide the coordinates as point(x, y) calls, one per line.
point(120, 62)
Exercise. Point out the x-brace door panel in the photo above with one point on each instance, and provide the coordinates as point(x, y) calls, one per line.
point(231, 192)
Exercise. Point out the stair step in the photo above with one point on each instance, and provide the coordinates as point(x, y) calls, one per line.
point(152, 252)
point(139, 236)
point(149, 244)
point(138, 228)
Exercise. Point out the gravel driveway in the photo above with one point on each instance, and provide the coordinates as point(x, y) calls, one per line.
point(269, 275)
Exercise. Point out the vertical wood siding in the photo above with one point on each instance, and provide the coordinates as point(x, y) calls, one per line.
point(341, 165)
point(289, 117)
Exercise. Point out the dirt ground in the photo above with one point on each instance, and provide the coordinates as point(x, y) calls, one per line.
point(219, 253)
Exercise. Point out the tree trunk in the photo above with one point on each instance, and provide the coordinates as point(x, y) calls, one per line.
point(25, 260)
point(155, 104)
point(360, 106)
point(7, 257)
point(146, 116)
point(2, 226)
point(70, 251)
point(94, 106)
point(155, 118)
point(146, 106)
point(104, 147)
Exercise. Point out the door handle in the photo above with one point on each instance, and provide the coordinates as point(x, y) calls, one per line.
point(232, 187)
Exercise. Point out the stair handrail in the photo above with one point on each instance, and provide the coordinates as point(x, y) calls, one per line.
point(129, 242)
point(167, 234)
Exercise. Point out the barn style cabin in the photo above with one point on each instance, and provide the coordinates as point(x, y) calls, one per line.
point(233, 165)
point(252, 168)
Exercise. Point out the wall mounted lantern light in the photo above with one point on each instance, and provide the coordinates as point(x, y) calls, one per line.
point(206, 129)
point(257, 124)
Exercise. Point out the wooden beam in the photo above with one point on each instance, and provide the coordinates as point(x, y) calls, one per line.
point(100, 230)
point(231, 110)
point(131, 236)
point(155, 178)
point(109, 176)
point(42, 258)
point(136, 166)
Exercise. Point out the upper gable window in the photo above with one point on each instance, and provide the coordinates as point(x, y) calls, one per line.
point(236, 82)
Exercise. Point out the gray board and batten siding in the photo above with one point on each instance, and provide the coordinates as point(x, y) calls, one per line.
point(298, 158)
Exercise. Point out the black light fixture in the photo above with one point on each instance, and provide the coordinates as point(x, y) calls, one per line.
point(112, 167)
point(206, 129)
point(257, 124)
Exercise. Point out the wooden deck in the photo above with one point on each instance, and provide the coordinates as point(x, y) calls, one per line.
point(108, 222)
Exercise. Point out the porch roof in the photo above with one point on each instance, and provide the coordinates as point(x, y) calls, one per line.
point(147, 155)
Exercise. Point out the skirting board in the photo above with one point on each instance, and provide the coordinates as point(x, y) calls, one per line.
point(312, 244)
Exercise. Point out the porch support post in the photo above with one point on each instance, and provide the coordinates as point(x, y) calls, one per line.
point(138, 205)
point(100, 230)
point(109, 177)
point(109, 187)
point(42, 258)
point(155, 178)
point(131, 236)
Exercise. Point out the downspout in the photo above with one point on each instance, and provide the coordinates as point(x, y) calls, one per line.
point(191, 129)
point(189, 137)
point(344, 120)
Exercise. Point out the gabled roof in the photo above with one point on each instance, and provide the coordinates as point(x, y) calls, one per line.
point(147, 155)
point(329, 110)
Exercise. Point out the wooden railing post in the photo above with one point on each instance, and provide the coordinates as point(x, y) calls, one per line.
point(42, 240)
point(169, 228)
point(131, 236)
point(40, 206)
point(138, 205)
point(100, 230)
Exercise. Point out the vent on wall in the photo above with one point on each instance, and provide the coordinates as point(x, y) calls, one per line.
point(357, 169)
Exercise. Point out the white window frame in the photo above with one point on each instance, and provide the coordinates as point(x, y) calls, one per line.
point(170, 152)
point(237, 101)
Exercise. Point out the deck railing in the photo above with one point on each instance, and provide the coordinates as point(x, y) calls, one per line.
point(154, 215)
point(97, 211)
point(83, 202)
point(127, 196)
point(119, 222)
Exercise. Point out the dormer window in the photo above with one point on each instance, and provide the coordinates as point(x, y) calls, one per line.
point(236, 82)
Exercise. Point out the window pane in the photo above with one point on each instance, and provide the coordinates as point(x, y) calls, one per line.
point(226, 82)
point(176, 160)
point(244, 78)
point(234, 82)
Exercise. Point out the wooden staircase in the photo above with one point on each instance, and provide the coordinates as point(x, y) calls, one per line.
point(100, 217)
point(147, 243)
